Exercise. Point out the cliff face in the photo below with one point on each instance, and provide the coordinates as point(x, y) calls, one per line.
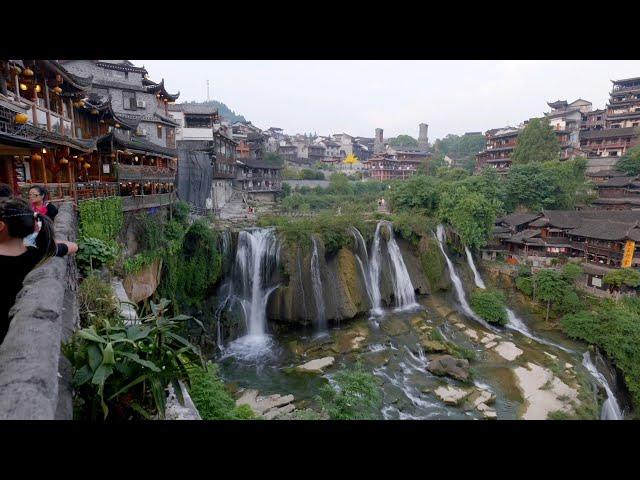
point(344, 290)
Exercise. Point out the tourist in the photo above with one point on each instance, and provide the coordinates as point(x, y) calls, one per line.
point(5, 191)
point(39, 203)
point(17, 221)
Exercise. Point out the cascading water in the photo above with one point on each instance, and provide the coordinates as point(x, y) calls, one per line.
point(403, 291)
point(610, 408)
point(403, 288)
point(457, 283)
point(362, 256)
point(317, 287)
point(515, 323)
point(476, 275)
point(256, 259)
point(374, 273)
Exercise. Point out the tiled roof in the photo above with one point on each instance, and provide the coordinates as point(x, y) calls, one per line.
point(193, 109)
point(517, 219)
point(609, 133)
point(617, 182)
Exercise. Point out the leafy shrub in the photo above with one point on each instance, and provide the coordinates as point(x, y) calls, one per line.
point(124, 370)
point(101, 218)
point(97, 302)
point(357, 396)
point(212, 399)
point(489, 305)
point(93, 253)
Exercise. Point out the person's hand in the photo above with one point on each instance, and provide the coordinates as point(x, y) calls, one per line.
point(73, 247)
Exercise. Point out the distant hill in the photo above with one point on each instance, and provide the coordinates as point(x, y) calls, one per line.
point(224, 111)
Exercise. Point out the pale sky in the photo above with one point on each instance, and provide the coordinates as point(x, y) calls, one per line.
point(355, 97)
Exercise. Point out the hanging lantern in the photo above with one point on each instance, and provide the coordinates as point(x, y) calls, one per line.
point(117, 125)
point(38, 88)
point(37, 157)
point(44, 150)
point(94, 111)
point(27, 72)
point(57, 90)
point(23, 87)
point(21, 118)
point(63, 161)
point(86, 165)
point(102, 120)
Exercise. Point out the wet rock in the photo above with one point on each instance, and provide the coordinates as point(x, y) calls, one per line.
point(491, 345)
point(442, 365)
point(488, 338)
point(472, 334)
point(487, 412)
point(451, 395)
point(394, 327)
point(433, 346)
point(481, 397)
point(508, 351)
point(276, 412)
point(568, 366)
point(264, 405)
point(550, 356)
point(460, 326)
point(379, 359)
point(315, 366)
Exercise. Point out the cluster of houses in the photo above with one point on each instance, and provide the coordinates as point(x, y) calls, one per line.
point(601, 135)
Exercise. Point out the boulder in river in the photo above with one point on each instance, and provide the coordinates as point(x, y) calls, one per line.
point(457, 368)
point(394, 326)
point(508, 351)
point(451, 395)
point(315, 366)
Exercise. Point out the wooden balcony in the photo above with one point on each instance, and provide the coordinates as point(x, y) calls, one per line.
point(140, 202)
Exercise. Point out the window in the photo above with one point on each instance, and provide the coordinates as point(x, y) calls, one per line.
point(159, 127)
point(129, 100)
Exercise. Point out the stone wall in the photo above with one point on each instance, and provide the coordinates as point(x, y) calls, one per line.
point(45, 313)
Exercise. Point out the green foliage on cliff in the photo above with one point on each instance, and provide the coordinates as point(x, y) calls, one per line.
point(433, 263)
point(356, 396)
point(194, 268)
point(460, 146)
point(211, 398)
point(489, 305)
point(630, 163)
point(403, 141)
point(614, 327)
point(554, 288)
point(101, 218)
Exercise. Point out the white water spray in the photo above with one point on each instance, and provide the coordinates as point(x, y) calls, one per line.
point(403, 288)
point(317, 287)
point(610, 408)
point(457, 283)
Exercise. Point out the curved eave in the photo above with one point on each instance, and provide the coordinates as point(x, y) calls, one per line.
point(152, 87)
point(75, 81)
point(106, 110)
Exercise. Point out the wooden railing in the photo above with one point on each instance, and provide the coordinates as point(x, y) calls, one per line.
point(139, 202)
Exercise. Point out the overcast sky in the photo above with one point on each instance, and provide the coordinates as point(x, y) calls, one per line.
point(357, 96)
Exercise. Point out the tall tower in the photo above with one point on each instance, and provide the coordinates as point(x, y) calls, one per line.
point(378, 144)
point(423, 136)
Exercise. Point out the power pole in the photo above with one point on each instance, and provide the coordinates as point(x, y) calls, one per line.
point(207, 90)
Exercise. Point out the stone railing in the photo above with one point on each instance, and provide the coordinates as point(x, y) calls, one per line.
point(44, 315)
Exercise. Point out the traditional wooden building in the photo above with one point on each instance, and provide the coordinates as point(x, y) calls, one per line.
point(46, 136)
point(611, 142)
point(598, 236)
point(385, 166)
point(566, 120)
point(500, 143)
point(623, 109)
point(619, 193)
point(258, 179)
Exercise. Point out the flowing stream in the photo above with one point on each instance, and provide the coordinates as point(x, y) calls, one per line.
point(374, 272)
point(610, 408)
point(403, 291)
point(362, 257)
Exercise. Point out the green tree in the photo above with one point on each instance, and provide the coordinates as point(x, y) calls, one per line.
point(623, 276)
point(461, 146)
point(417, 192)
point(550, 287)
point(630, 162)
point(339, 183)
point(403, 141)
point(470, 213)
point(536, 143)
point(273, 158)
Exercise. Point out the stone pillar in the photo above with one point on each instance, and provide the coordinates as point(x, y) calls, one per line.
point(378, 145)
point(423, 137)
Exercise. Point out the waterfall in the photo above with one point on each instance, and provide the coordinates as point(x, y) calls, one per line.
point(515, 323)
point(374, 273)
point(317, 287)
point(362, 256)
point(457, 283)
point(256, 259)
point(476, 275)
point(403, 288)
point(610, 408)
